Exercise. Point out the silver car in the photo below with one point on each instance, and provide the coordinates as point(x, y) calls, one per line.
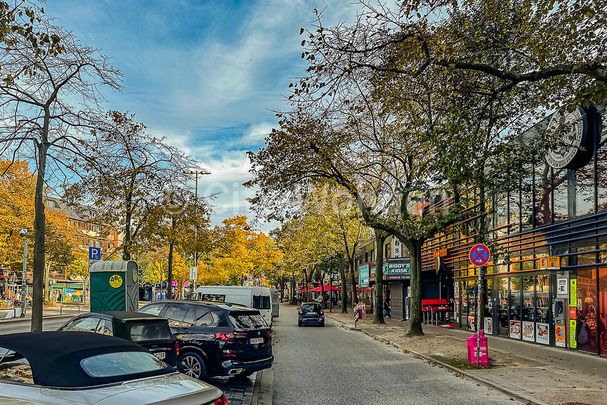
point(87, 368)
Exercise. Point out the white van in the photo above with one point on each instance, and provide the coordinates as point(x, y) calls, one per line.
point(259, 298)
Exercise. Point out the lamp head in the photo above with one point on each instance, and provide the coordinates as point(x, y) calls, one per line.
point(23, 232)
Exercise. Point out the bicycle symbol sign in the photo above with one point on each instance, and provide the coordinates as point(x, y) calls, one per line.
point(479, 254)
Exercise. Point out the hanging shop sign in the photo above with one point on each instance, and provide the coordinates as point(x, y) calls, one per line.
point(440, 253)
point(550, 263)
point(363, 275)
point(396, 247)
point(572, 134)
point(397, 270)
point(560, 338)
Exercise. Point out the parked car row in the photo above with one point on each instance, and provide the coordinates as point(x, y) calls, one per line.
point(144, 348)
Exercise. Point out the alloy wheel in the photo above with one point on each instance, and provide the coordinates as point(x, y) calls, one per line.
point(190, 366)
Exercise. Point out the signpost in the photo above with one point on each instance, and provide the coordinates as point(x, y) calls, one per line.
point(479, 256)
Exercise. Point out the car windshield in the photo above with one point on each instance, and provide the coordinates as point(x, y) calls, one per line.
point(247, 320)
point(147, 331)
point(121, 364)
point(310, 308)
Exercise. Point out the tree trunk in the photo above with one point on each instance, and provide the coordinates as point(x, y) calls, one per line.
point(293, 287)
point(170, 271)
point(378, 314)
point(352, 261)
point(344, 288)
point(415, 320)
point(39, 242)
point(126, 254)
point(322, 290)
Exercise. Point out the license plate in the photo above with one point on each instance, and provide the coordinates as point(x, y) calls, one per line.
point(160, 355)
point(256, 341)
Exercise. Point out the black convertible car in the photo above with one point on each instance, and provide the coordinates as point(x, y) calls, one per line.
point(75, 367)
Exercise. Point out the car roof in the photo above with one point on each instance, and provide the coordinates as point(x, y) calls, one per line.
point(220, 305)
point(310, 303)
point(130, 316)
point(48, 352)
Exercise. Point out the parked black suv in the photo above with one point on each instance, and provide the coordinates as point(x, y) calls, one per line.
point(148, 331)
point(217, 340)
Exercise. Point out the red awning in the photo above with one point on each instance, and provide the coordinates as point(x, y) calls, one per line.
point(326, 289)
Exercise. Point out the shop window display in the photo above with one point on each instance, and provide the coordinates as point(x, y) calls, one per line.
point(602, 316)
point(527, 200)
point(502, 292)
point(514, 211)
point(542, 308)
point(587, 324)
point(515, 310)
point(601, 174)
point(488, 316)
point(528, 308)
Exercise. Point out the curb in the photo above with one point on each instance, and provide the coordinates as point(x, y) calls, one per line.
point(263, 390)
point(491, 384)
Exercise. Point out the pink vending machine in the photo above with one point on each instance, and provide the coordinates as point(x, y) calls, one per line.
point(484, 350)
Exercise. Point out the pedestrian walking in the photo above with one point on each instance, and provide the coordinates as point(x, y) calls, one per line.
point(359, 309)
point(387, 308)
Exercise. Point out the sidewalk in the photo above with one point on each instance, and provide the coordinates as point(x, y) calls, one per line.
point(530, 372)
point(49, 312)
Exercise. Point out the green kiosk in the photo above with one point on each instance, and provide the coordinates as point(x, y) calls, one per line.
point(114, 286)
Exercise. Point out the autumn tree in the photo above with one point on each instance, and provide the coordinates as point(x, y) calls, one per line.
point(45, 114)
point(127, 184)
point(173, 222)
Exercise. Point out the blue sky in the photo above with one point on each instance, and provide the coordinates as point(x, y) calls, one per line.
point(204, 74)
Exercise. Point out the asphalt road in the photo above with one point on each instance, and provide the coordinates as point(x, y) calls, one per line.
point(25, 325)
point(332, 365)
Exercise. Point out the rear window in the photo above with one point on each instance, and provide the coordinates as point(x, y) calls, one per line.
point(266, 302)
point(13, 367)
point(121, 364)
point(150, 331)
point(247, 320)
point(310, 308)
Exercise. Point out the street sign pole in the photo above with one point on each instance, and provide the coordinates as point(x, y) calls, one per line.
point(479, 256)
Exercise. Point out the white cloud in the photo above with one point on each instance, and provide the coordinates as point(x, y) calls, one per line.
point(257, 133)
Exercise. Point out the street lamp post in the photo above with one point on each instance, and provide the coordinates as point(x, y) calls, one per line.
point(196, 173)
point(23, 233)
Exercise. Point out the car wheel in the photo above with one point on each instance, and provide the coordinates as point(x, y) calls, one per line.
point(192, 364)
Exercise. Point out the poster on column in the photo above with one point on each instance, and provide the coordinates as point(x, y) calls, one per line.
point(529, 331)
point(560, 340)
point(542, 335)
point(515, 329)
point(488, 326)
point(572, 333)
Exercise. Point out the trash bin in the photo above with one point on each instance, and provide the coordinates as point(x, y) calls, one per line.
point(484, 350)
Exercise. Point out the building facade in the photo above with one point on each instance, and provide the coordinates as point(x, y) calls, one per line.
point(547, 282)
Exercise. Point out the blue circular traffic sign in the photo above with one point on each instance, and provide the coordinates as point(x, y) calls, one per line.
point(479, 254)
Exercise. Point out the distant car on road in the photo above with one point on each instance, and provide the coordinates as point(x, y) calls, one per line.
point(146, 330)
point(73, 367)
point(217, 340)
point(310, 313)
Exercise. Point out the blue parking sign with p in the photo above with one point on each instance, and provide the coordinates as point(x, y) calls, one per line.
point(94, 253)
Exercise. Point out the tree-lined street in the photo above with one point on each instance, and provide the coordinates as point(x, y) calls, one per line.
point(331, 365)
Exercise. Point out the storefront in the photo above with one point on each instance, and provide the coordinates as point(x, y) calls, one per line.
point(547, 283)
